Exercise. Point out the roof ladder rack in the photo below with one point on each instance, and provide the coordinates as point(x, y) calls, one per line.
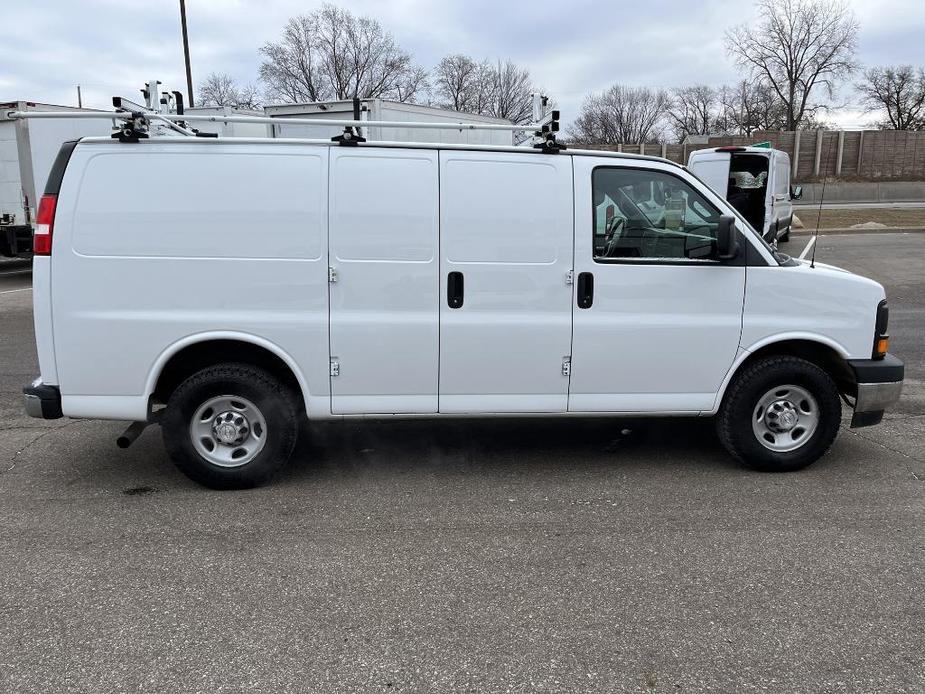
point(352, 134)
point(141, 122)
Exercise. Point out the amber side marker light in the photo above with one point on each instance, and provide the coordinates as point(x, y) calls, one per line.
point(881, 337)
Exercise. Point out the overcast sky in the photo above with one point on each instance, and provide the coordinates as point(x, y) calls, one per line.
point(112, 47)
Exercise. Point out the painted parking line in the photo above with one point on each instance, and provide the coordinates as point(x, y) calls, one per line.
point(12, 291)
point(808, 247)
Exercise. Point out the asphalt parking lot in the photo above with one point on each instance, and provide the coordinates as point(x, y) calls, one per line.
point(470, 556)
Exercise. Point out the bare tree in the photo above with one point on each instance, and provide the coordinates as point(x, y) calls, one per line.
point(332, 54)
point(693, 110)
point(621, 114)
point(797, 47)
point(899, 91)
point(749, 106)
point(502, 90)
point(511, 92)
point(458, 82)
point(220, 89)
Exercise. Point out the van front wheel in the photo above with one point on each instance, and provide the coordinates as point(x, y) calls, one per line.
point(230, 426)
point(780, 414)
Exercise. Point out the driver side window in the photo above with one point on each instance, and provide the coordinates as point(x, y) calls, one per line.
point(643, 214)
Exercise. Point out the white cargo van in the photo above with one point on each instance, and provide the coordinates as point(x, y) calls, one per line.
point(755, 181)
point(434, 280)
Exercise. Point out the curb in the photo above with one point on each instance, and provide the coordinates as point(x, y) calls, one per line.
point(884, 230)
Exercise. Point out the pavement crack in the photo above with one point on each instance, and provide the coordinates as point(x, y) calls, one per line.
point(905, 455)
point(13, 460)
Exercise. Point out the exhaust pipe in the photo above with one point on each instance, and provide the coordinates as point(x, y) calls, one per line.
point(129, 435)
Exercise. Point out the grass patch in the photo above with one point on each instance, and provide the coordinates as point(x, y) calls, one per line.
point(846, 218)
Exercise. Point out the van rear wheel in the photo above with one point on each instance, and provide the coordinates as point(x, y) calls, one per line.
point(230, 426)
point(780, 414)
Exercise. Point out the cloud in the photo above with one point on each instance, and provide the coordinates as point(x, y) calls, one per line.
point(571, 49)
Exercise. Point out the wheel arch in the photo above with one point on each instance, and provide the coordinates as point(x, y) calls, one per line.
point(194, 352)
point(825, 353)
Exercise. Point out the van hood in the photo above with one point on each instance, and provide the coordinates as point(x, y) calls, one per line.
point(823, 266)
point(854, 285)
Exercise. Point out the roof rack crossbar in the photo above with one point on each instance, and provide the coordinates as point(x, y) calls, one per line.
point(138, 124)
point(127, 115)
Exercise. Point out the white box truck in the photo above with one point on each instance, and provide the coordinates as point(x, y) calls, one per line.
point(27, 150)
point(386, 110)
point(429, 280)
point(229, 129)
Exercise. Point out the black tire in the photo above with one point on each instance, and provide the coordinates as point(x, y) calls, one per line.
point(274, 402)
point(734, 420)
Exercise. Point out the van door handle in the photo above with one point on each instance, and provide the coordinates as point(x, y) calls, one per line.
point(585, 289)
point(454, 290)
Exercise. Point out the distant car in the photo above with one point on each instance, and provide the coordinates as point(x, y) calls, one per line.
point(755, 181)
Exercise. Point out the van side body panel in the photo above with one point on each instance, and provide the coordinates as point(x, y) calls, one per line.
point(42, 319)
point(384, 246)
point(156, 243)
point(506, 229)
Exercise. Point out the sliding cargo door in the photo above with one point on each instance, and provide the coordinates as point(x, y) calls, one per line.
point(505, 310)
point(383, 237)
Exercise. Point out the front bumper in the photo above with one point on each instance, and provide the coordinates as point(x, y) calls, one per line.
point(42, 401)
point(879, 384)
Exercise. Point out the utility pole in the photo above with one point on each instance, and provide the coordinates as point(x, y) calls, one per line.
point(80, 102)
point(189, 73)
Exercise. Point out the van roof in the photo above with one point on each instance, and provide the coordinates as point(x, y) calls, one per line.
point(397, 145)
point(737, 149)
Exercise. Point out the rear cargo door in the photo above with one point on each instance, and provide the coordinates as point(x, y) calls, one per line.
point(713, 169)
point(383, 237)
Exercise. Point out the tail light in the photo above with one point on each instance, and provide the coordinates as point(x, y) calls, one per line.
point(44, 225)
point(881, 337)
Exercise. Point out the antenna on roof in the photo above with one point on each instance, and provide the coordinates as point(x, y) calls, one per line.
point(812, 260)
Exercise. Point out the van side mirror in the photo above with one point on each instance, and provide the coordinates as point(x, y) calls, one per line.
point(796, 192)
point(727, 239)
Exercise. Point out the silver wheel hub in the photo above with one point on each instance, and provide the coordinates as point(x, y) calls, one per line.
point(785, 418)
point(228, 430)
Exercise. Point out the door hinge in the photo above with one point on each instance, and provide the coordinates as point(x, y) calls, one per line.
point(566, 366)
point(332, 275)
point(335, 367)
point(570, 277)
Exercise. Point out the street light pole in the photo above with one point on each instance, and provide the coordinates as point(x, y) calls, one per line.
point(189, 73)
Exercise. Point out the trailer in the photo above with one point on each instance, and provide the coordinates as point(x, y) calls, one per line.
point(27, 151)
point(393, 111)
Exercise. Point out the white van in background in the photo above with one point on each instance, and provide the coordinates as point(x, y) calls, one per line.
point(429, 280)
point(755, 181)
